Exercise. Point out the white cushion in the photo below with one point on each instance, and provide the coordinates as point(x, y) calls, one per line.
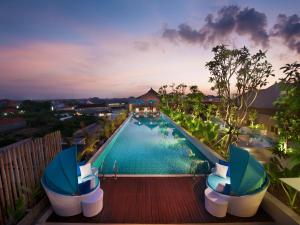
point(86, 170)
point(221, 170)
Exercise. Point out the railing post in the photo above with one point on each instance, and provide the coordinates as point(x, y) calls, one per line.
point(102, 170)
point(115, 169)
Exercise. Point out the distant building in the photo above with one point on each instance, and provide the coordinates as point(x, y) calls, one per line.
point(8, 107)
point(117, 105)
point(150, 99)
point(61, 106)
point(211, 99)
point(264, 106)
point(6, 103)
point(93, 109)
point(9, 124)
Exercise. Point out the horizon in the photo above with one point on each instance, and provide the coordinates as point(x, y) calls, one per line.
point(76, 49)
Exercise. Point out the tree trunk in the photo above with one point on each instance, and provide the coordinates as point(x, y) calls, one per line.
point(229, 140)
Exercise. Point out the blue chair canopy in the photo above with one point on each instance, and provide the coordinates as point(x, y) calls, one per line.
point(60, 175)
point(247, 175)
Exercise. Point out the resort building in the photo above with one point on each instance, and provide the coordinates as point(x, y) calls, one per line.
point(264, 106)
point(148, 101)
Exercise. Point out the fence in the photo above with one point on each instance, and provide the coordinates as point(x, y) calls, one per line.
point(21, 167)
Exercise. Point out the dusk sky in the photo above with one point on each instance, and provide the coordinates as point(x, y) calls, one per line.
point(75, 49)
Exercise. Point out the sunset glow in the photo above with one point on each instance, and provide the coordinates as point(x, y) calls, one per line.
point(73, 49)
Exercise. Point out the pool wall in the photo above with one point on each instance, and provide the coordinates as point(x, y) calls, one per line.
point(204, 149)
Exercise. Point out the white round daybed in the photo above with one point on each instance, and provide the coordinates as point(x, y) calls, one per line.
point(242, 206)
point(68, 205)
point(66, 189)
point(243, 189)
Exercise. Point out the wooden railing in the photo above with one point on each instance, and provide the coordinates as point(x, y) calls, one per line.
point(21, 167)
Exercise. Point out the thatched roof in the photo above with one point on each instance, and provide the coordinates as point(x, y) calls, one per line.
point(151, 92)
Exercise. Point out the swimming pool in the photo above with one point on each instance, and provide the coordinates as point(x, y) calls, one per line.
point(150, 146)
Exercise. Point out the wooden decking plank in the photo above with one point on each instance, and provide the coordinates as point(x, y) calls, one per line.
point(150, 200)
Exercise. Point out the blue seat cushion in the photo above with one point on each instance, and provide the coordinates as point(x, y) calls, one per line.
point(225, 163)
point(213, 181)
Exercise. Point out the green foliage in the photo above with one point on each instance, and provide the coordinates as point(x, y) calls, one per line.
point(237, 76)
point(38, 114)
point(288, 109)
point(252, 116)
point(207, 132)
point(177, 102)
point(90, 146)
point(16, 213)
point(288, 120)
point(188, 111)
point(199, 167)
point(276, 170)
point(7, 139)
point(93, 141)
point(68, 127)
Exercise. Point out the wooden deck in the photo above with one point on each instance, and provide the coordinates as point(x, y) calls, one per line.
point(156, 200)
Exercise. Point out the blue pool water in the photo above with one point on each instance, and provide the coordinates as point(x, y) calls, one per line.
point(149, 146)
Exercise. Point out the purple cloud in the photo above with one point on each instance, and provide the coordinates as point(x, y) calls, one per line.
point(288, 28)
point(229, 19)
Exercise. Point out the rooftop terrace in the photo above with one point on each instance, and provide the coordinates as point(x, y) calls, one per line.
point(156, 200)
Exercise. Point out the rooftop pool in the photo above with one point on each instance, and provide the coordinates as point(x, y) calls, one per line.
point(149, 146)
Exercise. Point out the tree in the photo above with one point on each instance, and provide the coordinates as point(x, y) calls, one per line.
point(288, 110)
point(237, 76)
point(192, 102)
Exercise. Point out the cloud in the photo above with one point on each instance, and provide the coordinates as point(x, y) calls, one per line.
point(253, 23)
point(288, 28)
point(141, 46)
point(219, 27)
